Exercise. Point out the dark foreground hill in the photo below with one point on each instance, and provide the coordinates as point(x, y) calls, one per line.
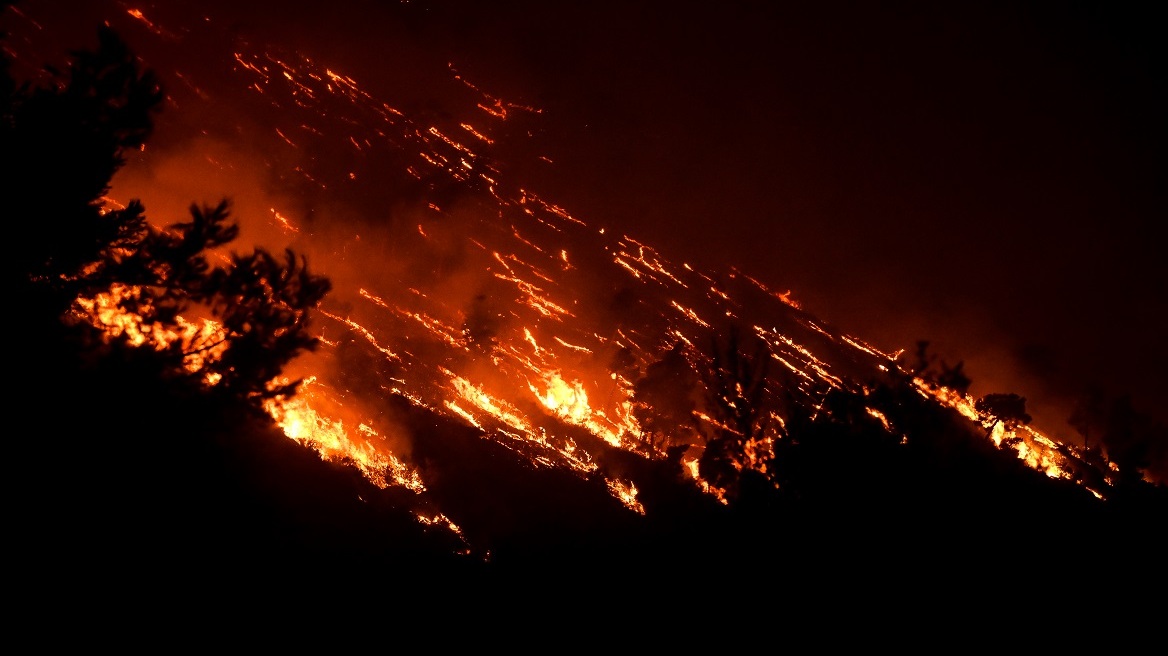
point(130, 481)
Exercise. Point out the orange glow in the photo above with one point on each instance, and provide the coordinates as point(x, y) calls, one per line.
point(508, 415)
point(201, 340)
point(569, 402)
point(283, 222)
point(296, 416)
point(627, 493)
point(553, 329)
point(332, 441)
point(1035, 449)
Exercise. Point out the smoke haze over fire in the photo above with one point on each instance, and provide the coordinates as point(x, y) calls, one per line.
point(985, 179)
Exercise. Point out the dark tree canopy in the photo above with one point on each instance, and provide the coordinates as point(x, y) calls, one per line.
point(263, 304)
point(63, 143)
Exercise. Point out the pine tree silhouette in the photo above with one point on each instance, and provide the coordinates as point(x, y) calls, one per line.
point(64, 142)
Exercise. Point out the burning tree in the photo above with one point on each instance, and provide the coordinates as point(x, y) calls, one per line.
point(123, 330)
point(1006, 409)
point(263, 305)
point(100, 271)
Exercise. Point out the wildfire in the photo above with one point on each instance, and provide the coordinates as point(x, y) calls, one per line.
point(439, 519)
point(497, 408)
point(199, 340)
point(566, 400)
point(1035, 449)
point(283, 221)
point(510, 416)
point(691, 467)
point(550, 337)
point(296, 416)
point(332, 441)
point(569, 401)
point(627, 493)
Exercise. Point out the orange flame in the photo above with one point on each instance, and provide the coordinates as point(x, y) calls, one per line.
point(627, 493)
point(331, 440)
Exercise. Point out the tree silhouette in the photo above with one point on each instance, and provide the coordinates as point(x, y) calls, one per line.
point(952, 377)
point(1122, 440)
point(663, 402)
point(263, 305)
point(924, 359)
point(1134, 442)
point(1089, 415)
point(123, 448)
point(1008, 409)
point(735, 383)
point(64, 142)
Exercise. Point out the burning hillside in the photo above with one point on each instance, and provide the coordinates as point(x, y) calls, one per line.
point(465, 302)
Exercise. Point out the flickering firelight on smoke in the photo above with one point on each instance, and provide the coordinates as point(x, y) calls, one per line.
point(461, 285)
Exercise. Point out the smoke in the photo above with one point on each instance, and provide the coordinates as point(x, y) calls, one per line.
point(845, 163)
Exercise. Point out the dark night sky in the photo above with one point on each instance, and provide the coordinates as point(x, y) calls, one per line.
point(987, 176)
